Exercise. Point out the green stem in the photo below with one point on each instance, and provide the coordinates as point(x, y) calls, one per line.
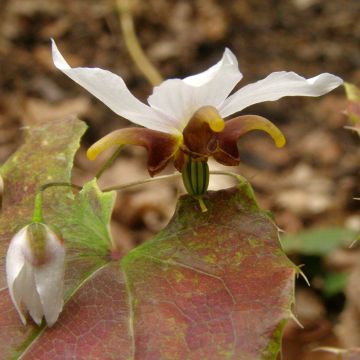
point(202, 204)
point(59, 184)
point(238, 177)
point(109, 162)
point(140, 182)
point(37, 215)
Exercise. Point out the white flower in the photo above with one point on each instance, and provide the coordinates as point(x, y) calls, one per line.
point(35, 273)
point(178, 108)
point(174, 101)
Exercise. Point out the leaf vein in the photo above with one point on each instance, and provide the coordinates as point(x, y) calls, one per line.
point(176, 263)
point(131, 315)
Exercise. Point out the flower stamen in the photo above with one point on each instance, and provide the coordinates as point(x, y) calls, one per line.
point(209, 115)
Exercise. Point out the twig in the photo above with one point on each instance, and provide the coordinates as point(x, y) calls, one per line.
point(133, 45)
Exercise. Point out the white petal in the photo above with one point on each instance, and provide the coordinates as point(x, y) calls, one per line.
point(29, 295)
point(16, 292)
point(14, 266)
point(176, 100)
point(20, 278)
point(227, 66)
point(49, 279)
point(14, 256)
point(179, 99)
point(276, 86)
point(112, 91)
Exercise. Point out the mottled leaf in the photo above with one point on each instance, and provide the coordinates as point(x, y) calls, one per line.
point(82, 218)
point(23, 174)
point(212, 285)
point(46, 156)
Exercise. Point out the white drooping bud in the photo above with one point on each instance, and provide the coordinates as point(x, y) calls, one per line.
point(35, 273)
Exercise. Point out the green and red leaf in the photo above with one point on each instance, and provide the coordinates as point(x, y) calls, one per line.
point(212, 285)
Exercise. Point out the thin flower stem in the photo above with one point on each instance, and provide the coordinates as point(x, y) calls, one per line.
point(109, 162)
point(141, 182)
point(38, 215)
point(133, 45)
point(202, 205)
point(59, 184)
point(238, 177)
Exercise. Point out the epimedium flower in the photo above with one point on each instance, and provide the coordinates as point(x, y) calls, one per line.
point(184, 118)
point(35, 272)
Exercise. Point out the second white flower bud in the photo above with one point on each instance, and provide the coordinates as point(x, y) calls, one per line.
point(35, 272)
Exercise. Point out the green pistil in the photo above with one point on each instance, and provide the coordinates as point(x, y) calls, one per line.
point(195, 177)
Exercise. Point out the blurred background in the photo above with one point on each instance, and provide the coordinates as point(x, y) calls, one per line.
point(309, 185)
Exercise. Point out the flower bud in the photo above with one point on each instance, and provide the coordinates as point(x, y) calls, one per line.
point(35, 273)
